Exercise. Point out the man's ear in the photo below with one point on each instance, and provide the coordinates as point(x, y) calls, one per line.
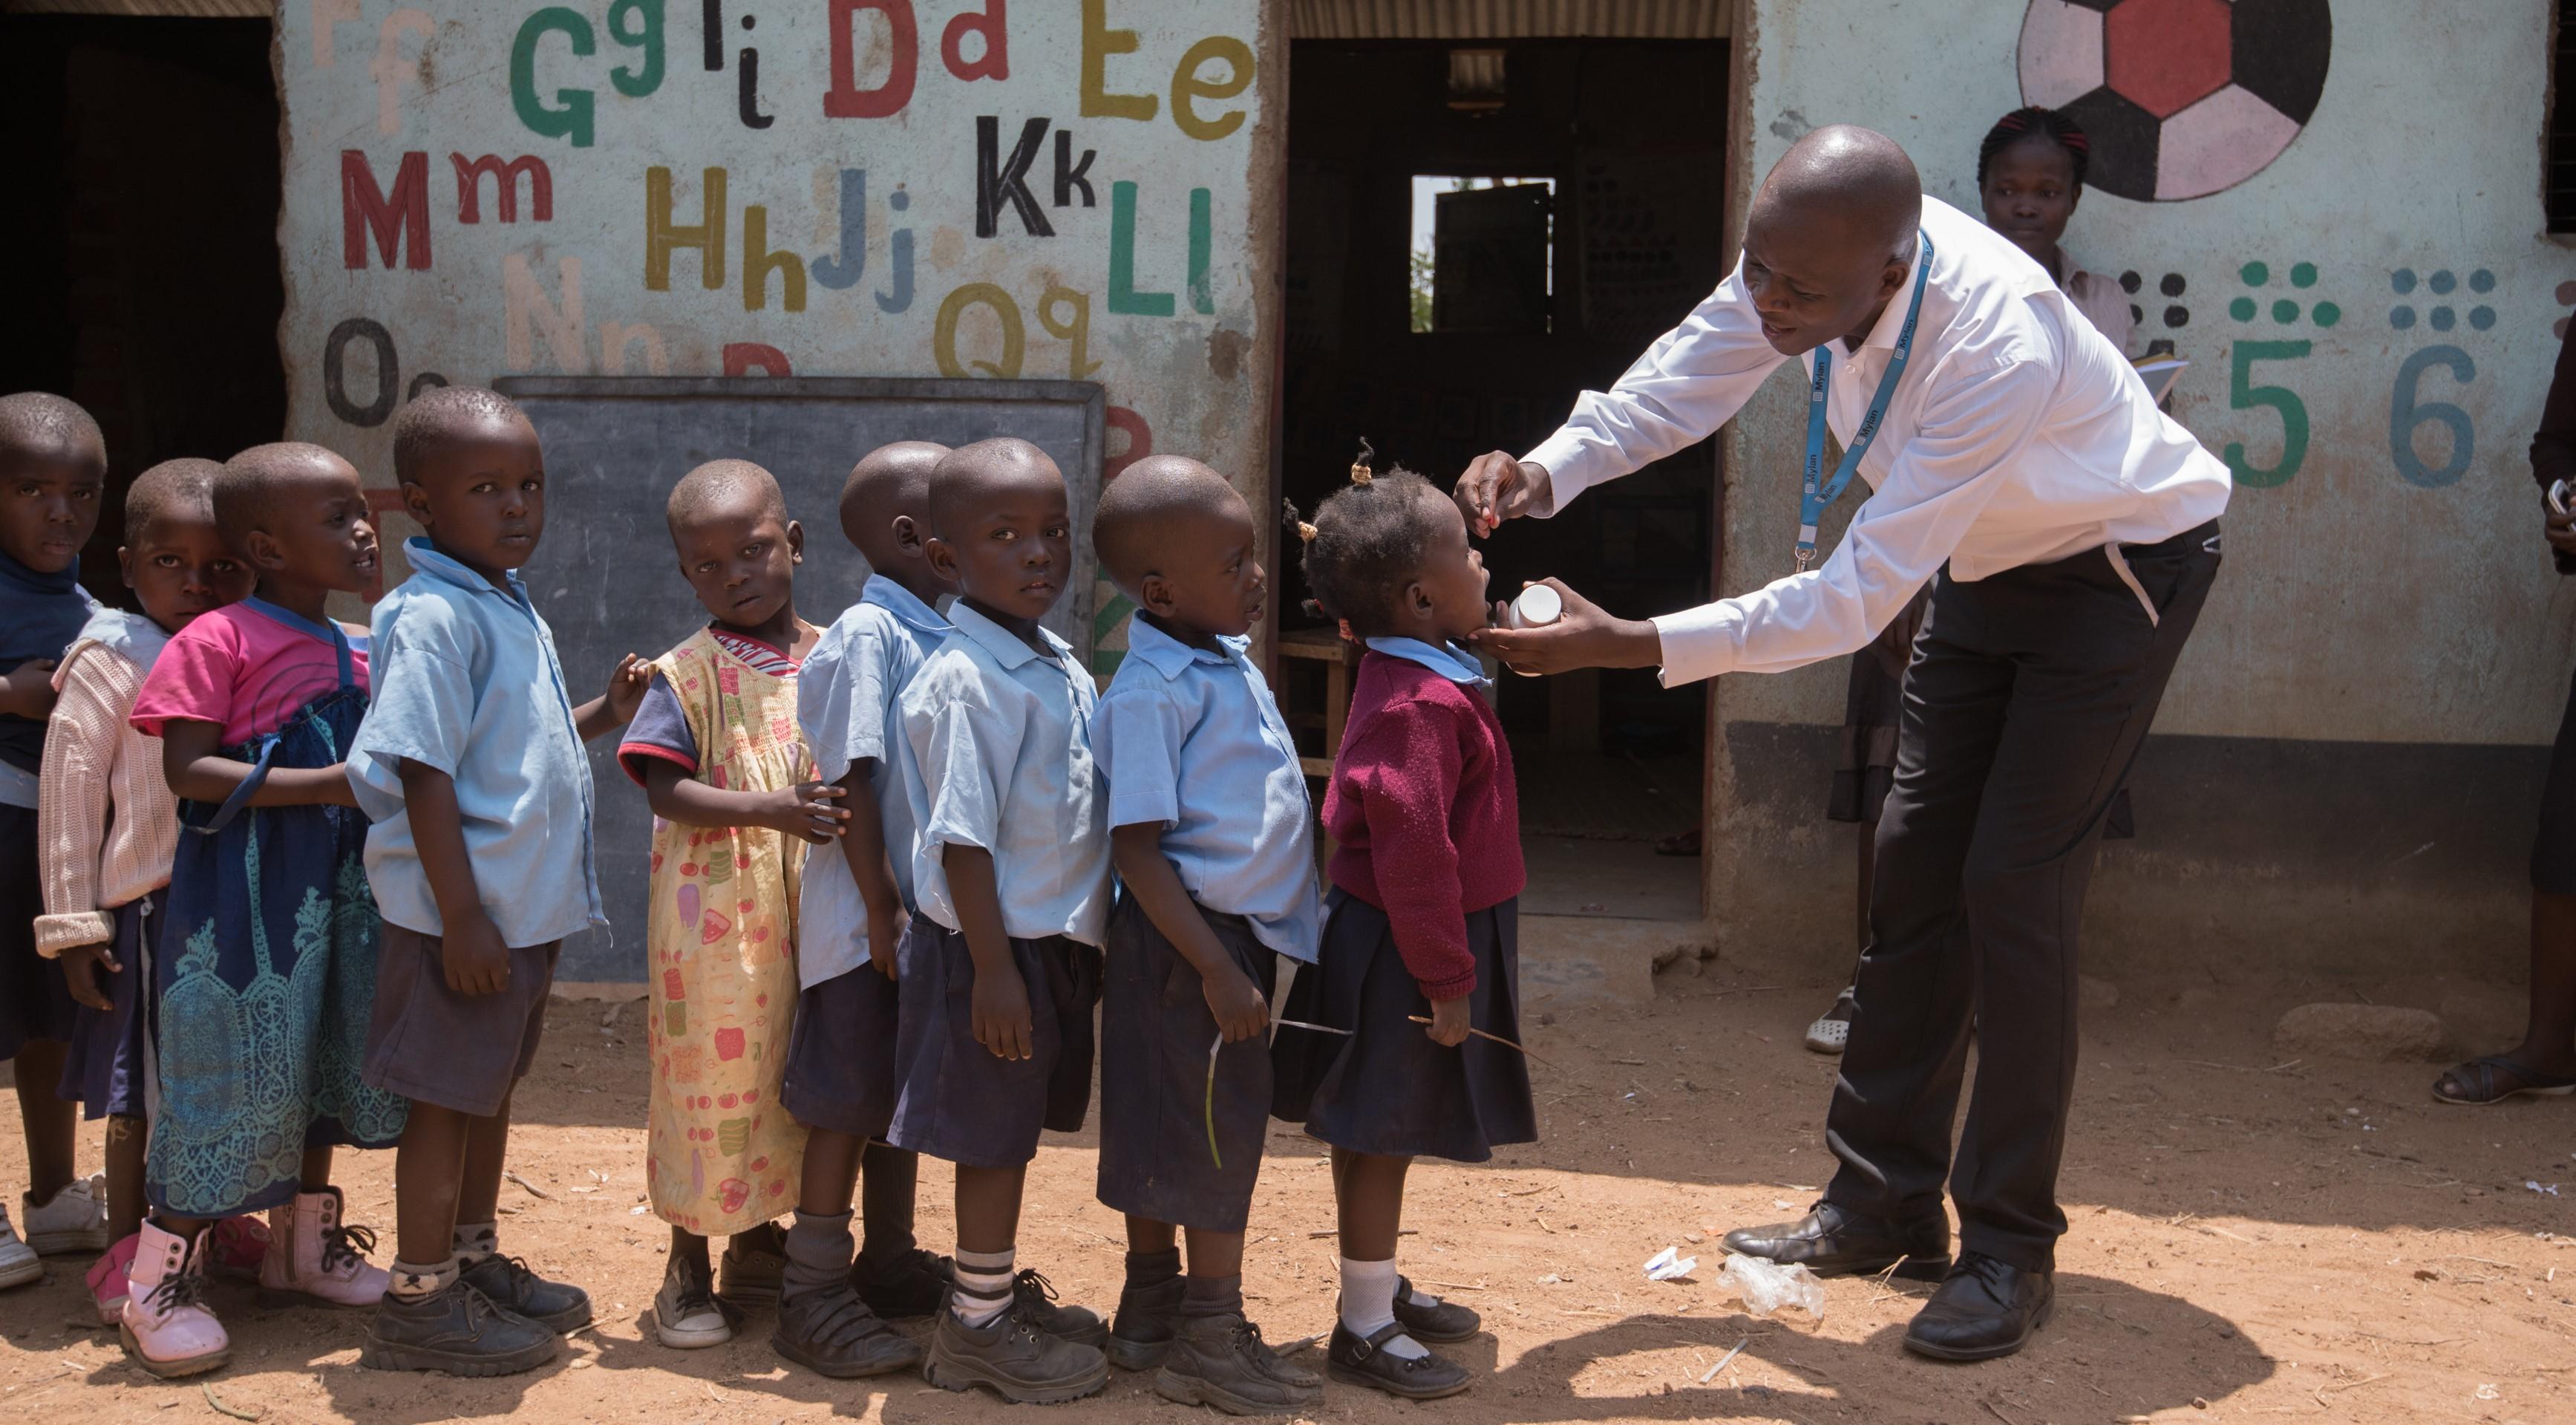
point(795, 542)
point(907, 535)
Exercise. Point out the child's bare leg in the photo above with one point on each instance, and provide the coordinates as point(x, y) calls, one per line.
point(988, 1229)
point(429, 1179)
point(1215, 1254)
point(1144, 1235)
point(317, 1169)
point(1368, 1192)
point(689, 1247)
point(47, 1117)
point(125, 1145)
point(831, 1172)
point(487, 1151)
point(891, 1181)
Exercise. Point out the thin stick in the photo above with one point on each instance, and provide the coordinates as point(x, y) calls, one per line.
point(1418, 1019)
point(1725, 1360)
point(1318, 1028)
point(1213, 1047)
point(533, 1189)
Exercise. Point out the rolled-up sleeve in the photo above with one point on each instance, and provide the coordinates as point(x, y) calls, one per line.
point(966, 746)
point(844, 696)
point(1973, 425)
point(1691, 381)
point(421, 708)
point(1136, 737)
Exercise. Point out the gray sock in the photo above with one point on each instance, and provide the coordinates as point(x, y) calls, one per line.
point(818, 1254)
point(1212, 1296)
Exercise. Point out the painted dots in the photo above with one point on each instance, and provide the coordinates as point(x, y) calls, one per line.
point(2285, 310)
point(2172, 284)
point(2441, 283)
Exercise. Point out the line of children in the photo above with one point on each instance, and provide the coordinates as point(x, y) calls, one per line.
point(813, 1028)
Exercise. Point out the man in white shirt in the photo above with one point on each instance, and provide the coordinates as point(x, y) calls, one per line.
point(2071, 532)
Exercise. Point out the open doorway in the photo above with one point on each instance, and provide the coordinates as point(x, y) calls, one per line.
point(1477, 232)
point(143, 222)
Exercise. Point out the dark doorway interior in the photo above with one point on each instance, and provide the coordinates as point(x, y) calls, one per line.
point(142, 237)
point(1477, 232)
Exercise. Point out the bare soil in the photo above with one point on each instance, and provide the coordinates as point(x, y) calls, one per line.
point(2311, 1241)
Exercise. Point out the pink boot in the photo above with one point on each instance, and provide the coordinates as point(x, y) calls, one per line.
point(107, 1281)
point(166, 1326)
point(240, 1244)
point(313, 1258)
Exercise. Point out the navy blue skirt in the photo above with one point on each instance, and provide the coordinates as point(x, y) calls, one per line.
point(1387, 1088)
point(108, 1068)
point(35, 1001)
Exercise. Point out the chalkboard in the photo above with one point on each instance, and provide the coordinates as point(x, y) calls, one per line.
point(606, 579)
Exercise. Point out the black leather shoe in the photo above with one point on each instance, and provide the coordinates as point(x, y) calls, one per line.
point(1835, 1242)
point(1984, 1309)
point(1354, 1359)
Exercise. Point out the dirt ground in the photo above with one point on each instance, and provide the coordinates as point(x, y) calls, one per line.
point(2250, 1241)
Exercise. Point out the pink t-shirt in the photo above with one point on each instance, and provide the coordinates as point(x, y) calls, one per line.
point(243, 669)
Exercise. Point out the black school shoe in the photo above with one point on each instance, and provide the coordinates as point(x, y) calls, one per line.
point(506, 1281)
point(832, 1333)
point(1984, 1309)
point(1834, 1241)
point(1222, 1361)
point(1015, 1358)
point(1441, 1323)
point(1033, 1296)
point(914, 1284)
point(1149, 1319)
point(1354, 1359)
point(455, 1329)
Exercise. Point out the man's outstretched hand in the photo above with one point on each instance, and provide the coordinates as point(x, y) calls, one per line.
point(1585, 637)
point(1499, 487)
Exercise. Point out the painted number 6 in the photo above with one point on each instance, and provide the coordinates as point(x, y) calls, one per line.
point(2243, 395)
point(2406, 415)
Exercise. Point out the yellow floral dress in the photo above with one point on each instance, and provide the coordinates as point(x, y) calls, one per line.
point(721, 1156)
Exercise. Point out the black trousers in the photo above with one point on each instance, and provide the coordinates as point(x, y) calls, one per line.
point(2026, 701)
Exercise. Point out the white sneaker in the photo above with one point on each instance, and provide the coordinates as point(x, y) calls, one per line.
point(18, 1264)
point(687, 1313)
point(75, 1221)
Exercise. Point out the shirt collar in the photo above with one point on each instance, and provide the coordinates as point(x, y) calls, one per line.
point(1004, 645)
point(427, 558)
point(1452, 662)
point(903, 603)
point(1891, 320)
point(1168, 655)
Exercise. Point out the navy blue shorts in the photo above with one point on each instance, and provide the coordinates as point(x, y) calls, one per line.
point(1156, 1160)
point(955, 1099)
point(841, 1055)
point(104, 1072)
point(35, 1001)
point(1387, 1088)
point(459, 1052)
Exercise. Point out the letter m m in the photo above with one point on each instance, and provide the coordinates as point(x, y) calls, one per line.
point(505, 208)
point(364, 209)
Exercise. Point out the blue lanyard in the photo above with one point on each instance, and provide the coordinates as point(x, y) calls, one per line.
point(1814, 494)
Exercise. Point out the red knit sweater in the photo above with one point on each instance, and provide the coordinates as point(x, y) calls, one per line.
point(1425, 814)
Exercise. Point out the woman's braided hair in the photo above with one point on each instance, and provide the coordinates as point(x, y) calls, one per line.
point(2049, 124)
point(1366, 543)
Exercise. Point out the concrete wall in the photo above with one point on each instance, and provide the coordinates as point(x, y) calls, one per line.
point(1053, 188)
point(2347, 763)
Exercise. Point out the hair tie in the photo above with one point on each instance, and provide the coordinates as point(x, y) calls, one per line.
point(1297, 526)
point(1360, 472)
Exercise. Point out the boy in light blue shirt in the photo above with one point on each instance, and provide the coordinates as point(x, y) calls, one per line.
point(840, 1079)
point(1001, 967)
point(471, 768)
point(1215, 851)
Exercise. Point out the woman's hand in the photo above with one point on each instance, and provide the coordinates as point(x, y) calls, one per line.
point(1499, 487)
point(1585, 637)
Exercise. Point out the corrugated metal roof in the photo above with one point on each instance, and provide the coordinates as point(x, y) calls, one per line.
point(181, 9)
point(1508, 19)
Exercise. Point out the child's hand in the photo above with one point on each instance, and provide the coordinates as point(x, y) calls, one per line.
point(1448, 1022)
point(1241, 1013)
point(471, 952)
point(885, 937)
point(81, 964)
point(626, 688)
point(807, 811)
point(28, 690)
point(999, 1009)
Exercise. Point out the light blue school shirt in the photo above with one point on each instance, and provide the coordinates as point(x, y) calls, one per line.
point(845, 702)
point(1451, 662)
point(1000, 743)
point(1190, 740)
point(466, 681)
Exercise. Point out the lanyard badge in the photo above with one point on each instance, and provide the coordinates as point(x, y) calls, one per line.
point(1815, 494)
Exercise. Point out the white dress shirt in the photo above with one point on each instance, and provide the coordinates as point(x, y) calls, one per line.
point(2019, 435)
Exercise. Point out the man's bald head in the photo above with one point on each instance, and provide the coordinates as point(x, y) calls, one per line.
point(1831, 236)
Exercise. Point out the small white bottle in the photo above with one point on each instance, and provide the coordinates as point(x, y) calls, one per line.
point(1537, 607)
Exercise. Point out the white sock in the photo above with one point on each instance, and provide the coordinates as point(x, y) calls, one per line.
point(474, 1241)
point(1416, 1296)
point(1368, 1305)
point(983, 1286)
point(413, 1280)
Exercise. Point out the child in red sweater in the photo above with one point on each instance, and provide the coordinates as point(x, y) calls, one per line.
point(1420, 919)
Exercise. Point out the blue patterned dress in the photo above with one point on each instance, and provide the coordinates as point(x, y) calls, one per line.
point(267, 977)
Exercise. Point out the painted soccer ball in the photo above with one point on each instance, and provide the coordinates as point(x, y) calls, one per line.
point(2181, 98)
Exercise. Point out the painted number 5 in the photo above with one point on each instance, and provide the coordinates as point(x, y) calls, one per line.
point(2406, 415)
point(2243, 395)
